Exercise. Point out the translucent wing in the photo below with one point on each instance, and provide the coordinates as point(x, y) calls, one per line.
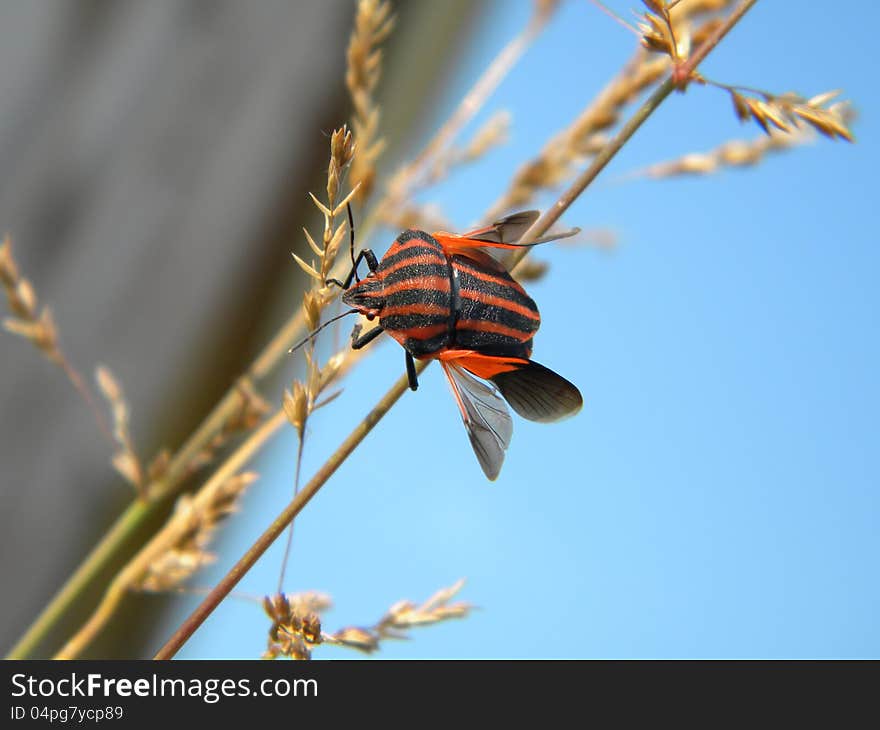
point(508, 230)
point(485, 415)
point(504, 233)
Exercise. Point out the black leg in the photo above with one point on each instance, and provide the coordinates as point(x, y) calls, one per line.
point(366, 254)
point(411, 372)
point(372, 263)
point(358, 340)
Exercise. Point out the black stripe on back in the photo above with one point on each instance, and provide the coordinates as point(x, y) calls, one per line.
point(414, 273)
point(489, 343)
point(410, 321)
point(496, 288)
point(471, 309)
point(419, 295)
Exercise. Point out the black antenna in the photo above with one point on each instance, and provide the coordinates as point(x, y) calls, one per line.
point(328, 322)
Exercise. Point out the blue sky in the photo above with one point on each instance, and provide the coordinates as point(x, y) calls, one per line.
point(717, 496)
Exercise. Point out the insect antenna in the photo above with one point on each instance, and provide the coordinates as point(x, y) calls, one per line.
point(351, 241)
point(330, 321)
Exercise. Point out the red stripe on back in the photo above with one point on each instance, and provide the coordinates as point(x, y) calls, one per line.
point(421, 333)
point(406, 309)
point(438, 283)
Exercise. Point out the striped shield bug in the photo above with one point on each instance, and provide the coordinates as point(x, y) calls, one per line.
point(443, 297)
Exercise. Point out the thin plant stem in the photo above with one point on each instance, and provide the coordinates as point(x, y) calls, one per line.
point(77, 380)
point(296, 478)
point(683, 71)
point(541, 226)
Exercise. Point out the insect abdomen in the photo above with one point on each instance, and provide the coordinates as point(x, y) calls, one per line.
point(417, 309)
point(494, 313)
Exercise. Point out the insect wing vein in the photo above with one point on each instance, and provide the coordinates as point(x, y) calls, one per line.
point(485, 415)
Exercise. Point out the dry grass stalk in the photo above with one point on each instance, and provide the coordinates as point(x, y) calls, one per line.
point(582, 138)
point(585, 136)
point(735, 153)
point(373, 23)
point(788, 112)
point(428, 217)
point(125, 460)
point(668, 27)
point(494, 132)
point(296, 623)
point(304, 397)
point(38, 326)
point(189, 532)
point(27, 321)
point(658, 33)
point(250, 411)
point(409, 177)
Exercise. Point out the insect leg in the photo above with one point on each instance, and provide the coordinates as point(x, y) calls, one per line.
point(372, 263)
point(358, 340)
point(411, 371)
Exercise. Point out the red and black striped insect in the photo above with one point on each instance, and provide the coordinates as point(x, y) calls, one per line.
point(443, 297)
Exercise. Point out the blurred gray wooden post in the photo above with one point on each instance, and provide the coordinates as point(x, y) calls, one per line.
point(154, 163)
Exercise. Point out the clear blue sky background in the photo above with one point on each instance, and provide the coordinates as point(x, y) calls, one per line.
point(718, 494)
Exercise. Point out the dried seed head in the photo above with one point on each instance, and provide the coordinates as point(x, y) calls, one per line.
point(8, 269)
point(158, 467)
point(293, 631)
point(788, 112)
point(373, 23)
point(342, 146)
point(583, 137)
point(296, 406)
point(189, 532)
point(355, 637)
point(125, 460)
point(331, 369)
point(341, 151)
point(312, 309)
point(310, 270)
point(332, 249)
